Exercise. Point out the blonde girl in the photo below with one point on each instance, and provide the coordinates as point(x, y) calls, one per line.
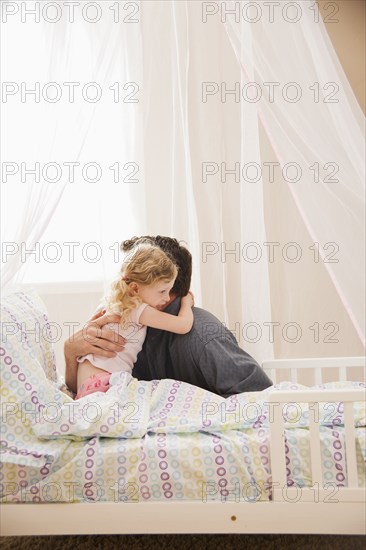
point(147, 276)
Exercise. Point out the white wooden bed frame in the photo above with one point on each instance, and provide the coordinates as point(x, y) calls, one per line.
point(313, 510)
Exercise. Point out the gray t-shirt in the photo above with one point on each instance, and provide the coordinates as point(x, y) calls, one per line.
point(208, 356)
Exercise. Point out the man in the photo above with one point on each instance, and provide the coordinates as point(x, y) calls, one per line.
point(208, 356)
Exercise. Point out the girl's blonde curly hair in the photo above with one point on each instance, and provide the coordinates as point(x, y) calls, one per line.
point(144, 265)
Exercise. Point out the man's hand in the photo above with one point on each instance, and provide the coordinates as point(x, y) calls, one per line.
point(92, 338)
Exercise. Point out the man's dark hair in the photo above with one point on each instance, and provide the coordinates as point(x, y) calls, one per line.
point(178, 253)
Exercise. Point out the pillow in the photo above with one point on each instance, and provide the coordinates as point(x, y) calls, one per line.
point(25, 331)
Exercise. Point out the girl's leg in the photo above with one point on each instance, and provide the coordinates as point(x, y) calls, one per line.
point(90, 379)
point(85, 370)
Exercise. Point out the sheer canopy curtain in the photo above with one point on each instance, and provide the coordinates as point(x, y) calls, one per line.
point(317, 124)
point(26, 208)
point(280, 262)
point(186, 135)
point(197, 141)
point(71, 117)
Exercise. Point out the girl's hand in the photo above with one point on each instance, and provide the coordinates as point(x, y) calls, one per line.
point(189, 299)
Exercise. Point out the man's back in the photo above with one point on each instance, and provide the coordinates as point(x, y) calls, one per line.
point(208, 357)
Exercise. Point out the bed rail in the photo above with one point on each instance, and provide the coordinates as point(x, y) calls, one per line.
point(317, 492)
point(316, 365)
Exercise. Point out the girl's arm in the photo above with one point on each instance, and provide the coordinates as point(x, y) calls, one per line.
point(180, 324)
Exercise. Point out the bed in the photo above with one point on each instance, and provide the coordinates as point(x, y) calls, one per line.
point(167, 457)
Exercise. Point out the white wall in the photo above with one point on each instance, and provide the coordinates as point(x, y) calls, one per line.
point(348, 38)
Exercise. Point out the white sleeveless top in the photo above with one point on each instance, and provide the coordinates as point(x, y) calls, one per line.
point(134, 333)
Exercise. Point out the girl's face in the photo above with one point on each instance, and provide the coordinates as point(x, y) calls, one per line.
point(156, 295)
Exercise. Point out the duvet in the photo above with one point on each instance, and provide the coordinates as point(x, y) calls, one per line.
point(146, 441)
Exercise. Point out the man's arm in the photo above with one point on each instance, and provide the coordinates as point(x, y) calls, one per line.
point(92, 338)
